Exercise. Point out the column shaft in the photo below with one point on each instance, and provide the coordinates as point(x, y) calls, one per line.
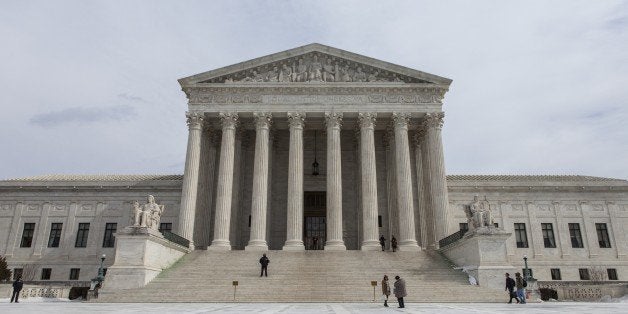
point(437, 180)
point(294, 225)
point(369, 182)
point(419, 137)
point(259, 201)
point(407, 234)
point(225, 181)
point(187, 211)
point(334, 183)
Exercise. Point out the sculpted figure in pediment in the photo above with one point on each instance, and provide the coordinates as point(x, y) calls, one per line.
point(316, 70)
point(344, 72)
point(359, 76)
point(273, 75)
point(301, 71)
point(328, 71)
point(285, 75)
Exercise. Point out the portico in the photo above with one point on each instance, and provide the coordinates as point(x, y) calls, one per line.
point(252, 129)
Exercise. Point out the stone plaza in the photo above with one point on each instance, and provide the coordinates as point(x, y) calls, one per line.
point(310, 155)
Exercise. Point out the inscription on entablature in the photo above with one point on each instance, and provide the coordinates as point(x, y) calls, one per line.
point(324, 99)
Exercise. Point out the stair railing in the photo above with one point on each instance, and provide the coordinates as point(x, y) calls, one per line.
point(452, 238)
point(175, 238)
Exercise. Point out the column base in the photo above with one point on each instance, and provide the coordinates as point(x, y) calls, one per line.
point(220, 245)
point(256, 245)
point(409, 246)
point(371, 245)
point(294, 245)
point(335, 245)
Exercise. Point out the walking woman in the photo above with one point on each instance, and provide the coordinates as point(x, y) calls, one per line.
point(385, 290)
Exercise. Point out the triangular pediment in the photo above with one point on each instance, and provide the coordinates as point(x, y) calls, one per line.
point(314, 63)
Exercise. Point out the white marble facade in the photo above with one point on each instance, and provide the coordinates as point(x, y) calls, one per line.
point(248, 172)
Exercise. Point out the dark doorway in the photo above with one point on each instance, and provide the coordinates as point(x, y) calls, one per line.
point(315, 220)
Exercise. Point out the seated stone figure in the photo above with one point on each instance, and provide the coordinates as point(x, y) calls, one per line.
point(147, 215)
point(479, 214)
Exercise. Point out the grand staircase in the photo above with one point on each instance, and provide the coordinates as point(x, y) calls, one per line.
point(309, 276)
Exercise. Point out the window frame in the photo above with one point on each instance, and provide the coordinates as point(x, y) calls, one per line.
point(164, 224)
point(584, 274)
point(603, 240)
point(109, 240)
point(521, 233)
point(82, 235)
point(46, 273)
point(575, 235)
point(612, 273)
point(54, 239)
point(75, 273)
point(555, 274)
point(28, 234)
point(549, 240)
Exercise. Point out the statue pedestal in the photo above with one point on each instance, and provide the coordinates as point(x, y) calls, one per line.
point(141, 254)
point(482, 252)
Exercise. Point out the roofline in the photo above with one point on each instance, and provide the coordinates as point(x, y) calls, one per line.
point(189, 80)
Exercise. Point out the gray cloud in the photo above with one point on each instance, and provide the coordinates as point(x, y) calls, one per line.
point(132, 98)
point(83, 115)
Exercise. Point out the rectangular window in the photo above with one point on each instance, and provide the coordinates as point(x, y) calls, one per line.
point(74, 273)
point(165, 227)
point(612, 274)
point(548, 235)
point(27, 234)
point(109, 240)
point(520, 235)
point(55, 235)
point(45, 273)
point(575, 235)
point(82, 234)
point(463, 227)
point(584, 274)
point(379, 221)
point(555, 274)
point(602, 236)
point(17, 273)
point(496, 224)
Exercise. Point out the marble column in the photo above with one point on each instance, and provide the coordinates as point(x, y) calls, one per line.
point(405, 205)
point(423, 222)
point(439, 202)
point(206, 187)
point(259, 202)
point(335, 242)
point(294, 228)
point(225, 181)
point(370, 240)
point(187, 212)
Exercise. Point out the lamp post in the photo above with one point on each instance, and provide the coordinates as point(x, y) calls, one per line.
point(526, 271)
point(97, 282)
point(101, 273)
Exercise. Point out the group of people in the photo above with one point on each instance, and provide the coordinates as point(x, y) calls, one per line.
point(399, 290)
point(393, 243)
point(519, 283)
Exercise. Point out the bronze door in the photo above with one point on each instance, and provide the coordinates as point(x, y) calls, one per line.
point(315, 226)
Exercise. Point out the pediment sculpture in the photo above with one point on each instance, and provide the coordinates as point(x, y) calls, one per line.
point(314, 67)
point(147, 215)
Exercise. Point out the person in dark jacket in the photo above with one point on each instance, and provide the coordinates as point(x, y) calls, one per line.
point(400, 290)
point(510, 287)
point(382, 242)
point(521, 292)
point(17, 287)
point(393, 243)
point(264, 261)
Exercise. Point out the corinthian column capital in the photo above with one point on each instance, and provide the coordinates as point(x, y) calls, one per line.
point(434, 120)
point(296, 119)
point(194, 120)
point(229, 119)
point(400, 119)
point(367, 119)
point(333, 119)
point(263, 120)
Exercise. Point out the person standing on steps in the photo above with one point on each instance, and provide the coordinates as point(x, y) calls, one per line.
point(264, 261)
point(393, 244)
point(382, 242)
point(17, 287)
point(385, 289)
point(510, 287)
point(400, 290)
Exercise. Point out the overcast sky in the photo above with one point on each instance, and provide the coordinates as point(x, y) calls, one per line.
point(539, 87)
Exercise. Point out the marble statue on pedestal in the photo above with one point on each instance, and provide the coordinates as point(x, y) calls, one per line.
point(479, 215)
point(147, 215)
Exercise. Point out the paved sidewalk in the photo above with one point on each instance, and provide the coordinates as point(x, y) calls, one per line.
point(307, 308)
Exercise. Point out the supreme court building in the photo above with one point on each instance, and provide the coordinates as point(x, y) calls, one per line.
point(316, 148)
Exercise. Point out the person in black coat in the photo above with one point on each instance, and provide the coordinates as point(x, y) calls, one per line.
point(510, 287)
point(264, 261)
point(393, 244)
point(17, 287)
point(382, 242)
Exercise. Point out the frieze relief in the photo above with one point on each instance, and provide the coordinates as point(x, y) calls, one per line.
point(197, 98)
point(314, 67)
